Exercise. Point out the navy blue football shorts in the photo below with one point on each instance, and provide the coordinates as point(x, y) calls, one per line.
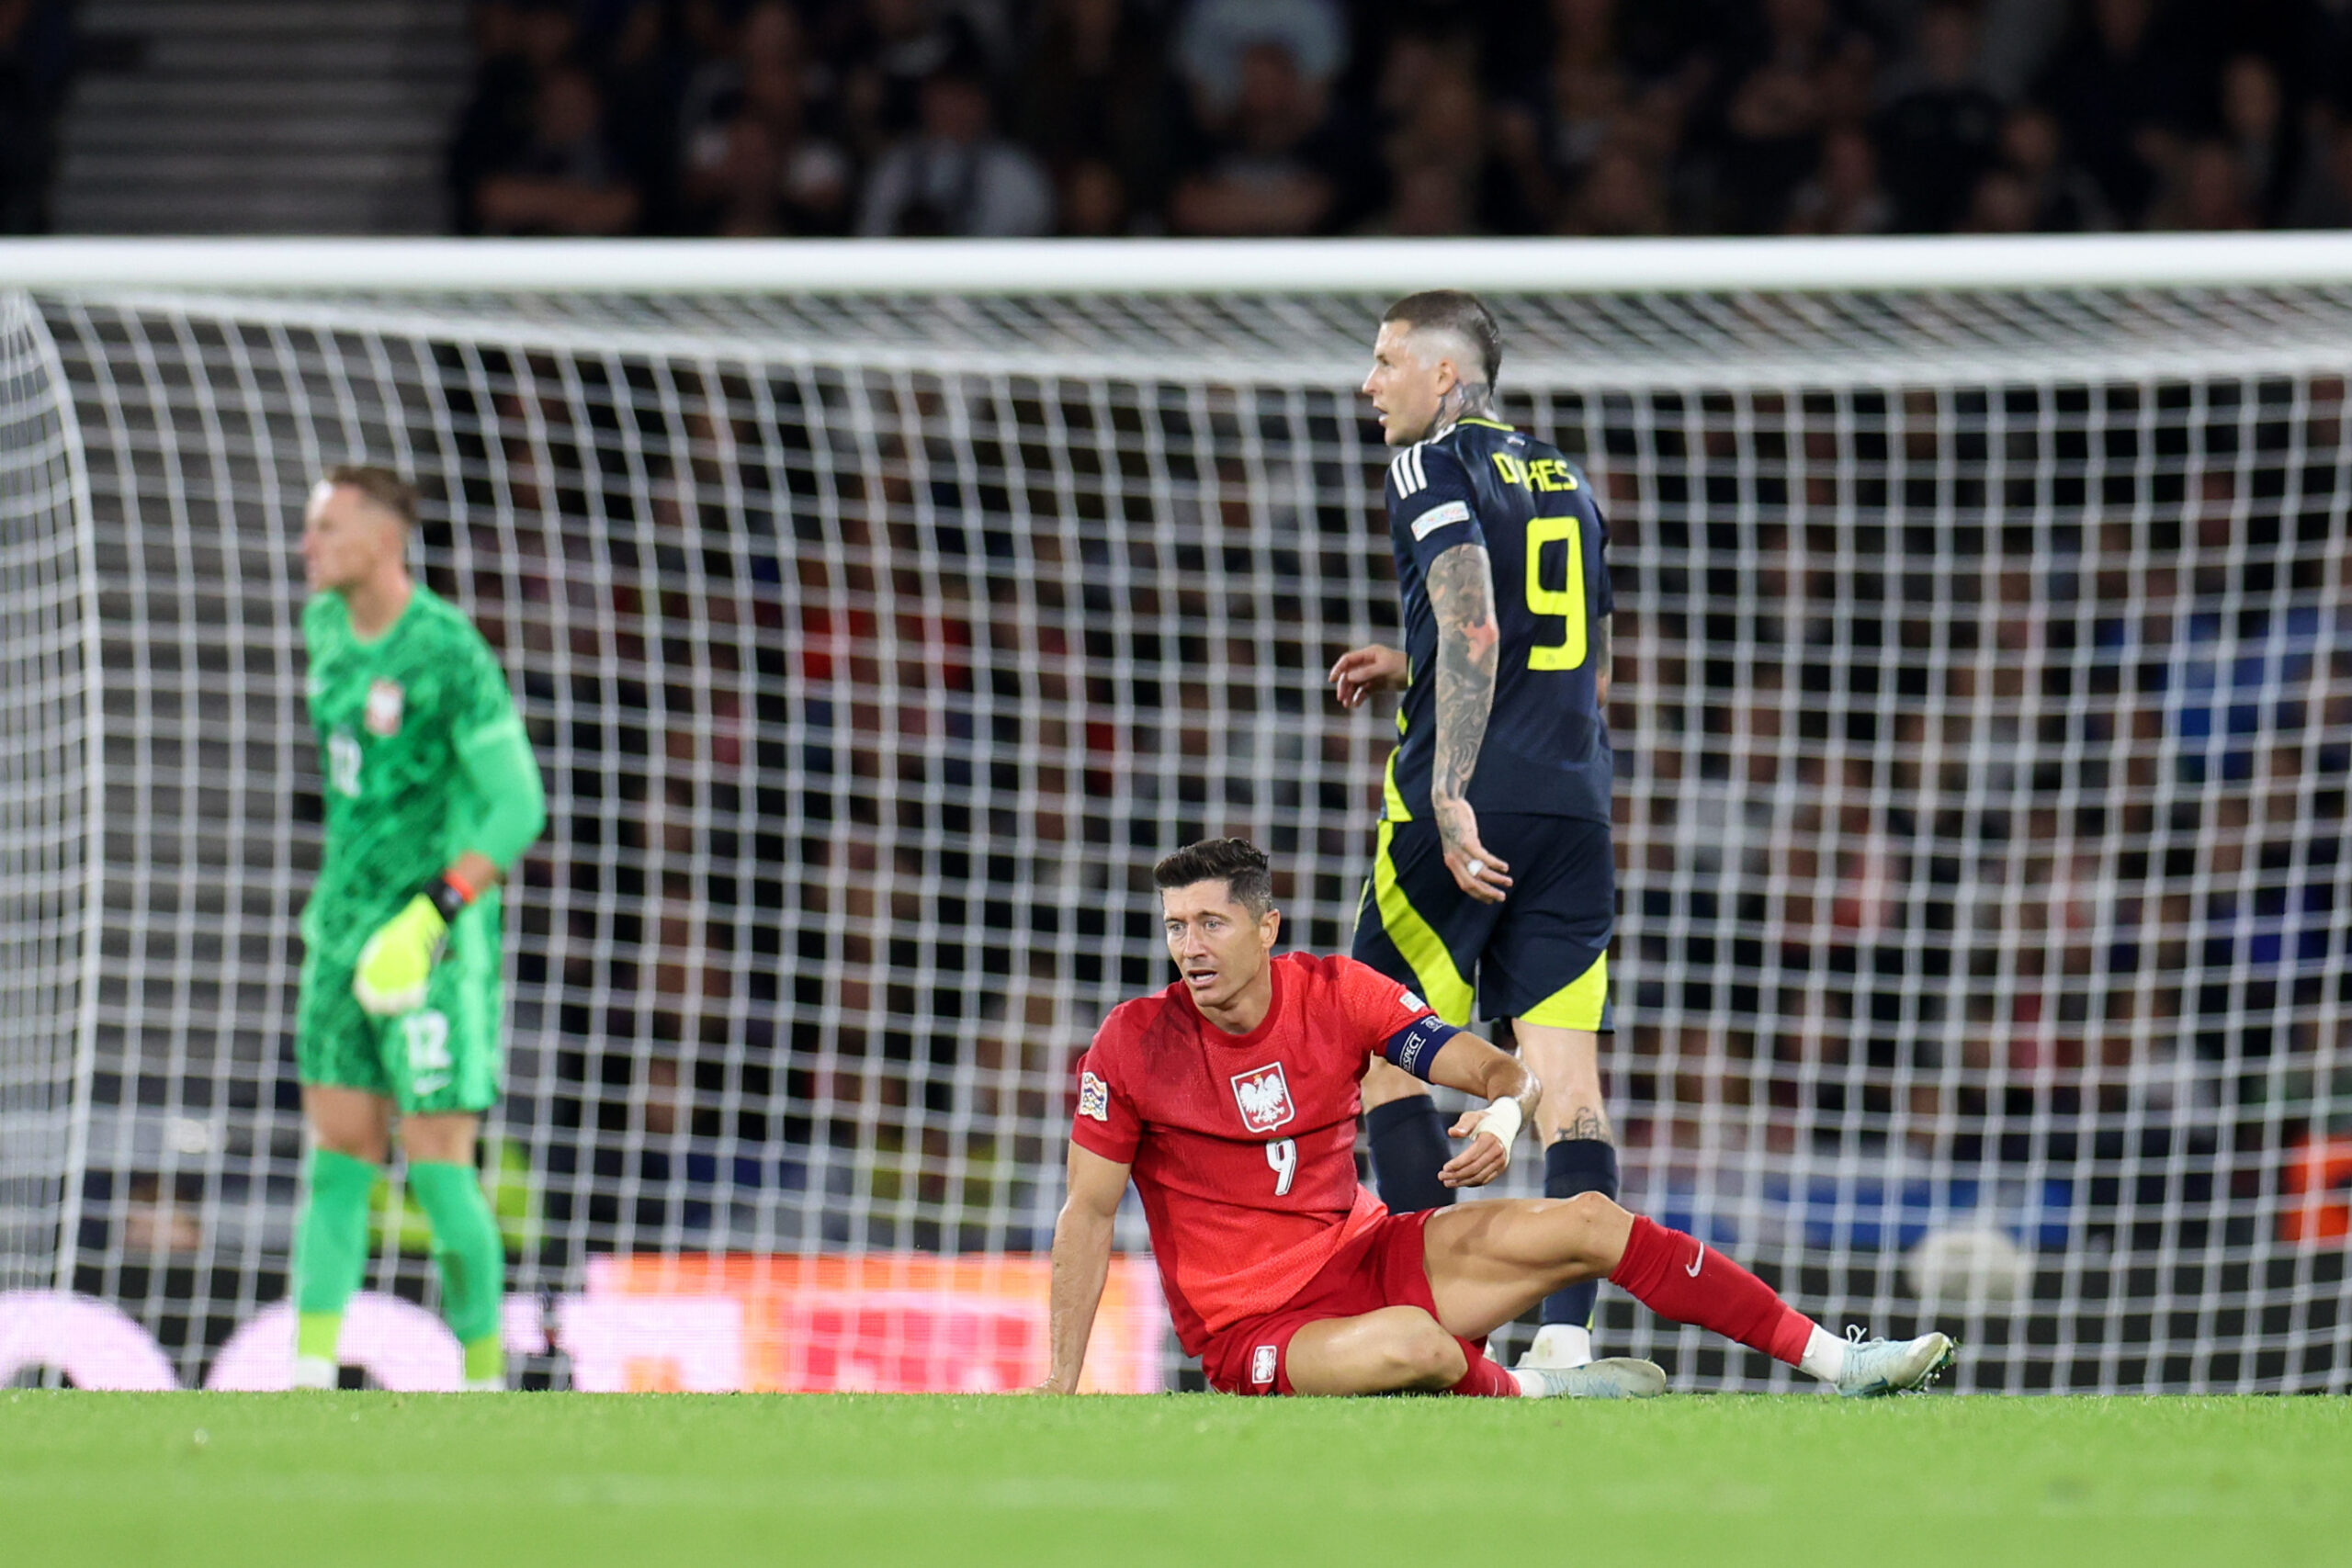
point(1541, 955)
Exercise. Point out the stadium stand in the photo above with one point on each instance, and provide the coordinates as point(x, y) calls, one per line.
point(1185, 117)
point(209, 118)
point(1308, 116)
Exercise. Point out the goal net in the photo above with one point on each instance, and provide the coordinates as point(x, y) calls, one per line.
point(45, 799)
point(1983, 707)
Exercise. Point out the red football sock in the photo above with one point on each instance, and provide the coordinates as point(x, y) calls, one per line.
point(1673, 1276)
point(1487, 1379)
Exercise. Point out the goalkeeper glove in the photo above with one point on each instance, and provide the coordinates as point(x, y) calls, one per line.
point(396, 966)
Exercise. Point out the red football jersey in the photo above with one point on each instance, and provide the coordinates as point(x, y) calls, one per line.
point(1243, 1146)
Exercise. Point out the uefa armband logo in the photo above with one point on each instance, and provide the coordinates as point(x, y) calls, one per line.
point(1409, 1055)
point(1442, 515)
point(1094, 1097)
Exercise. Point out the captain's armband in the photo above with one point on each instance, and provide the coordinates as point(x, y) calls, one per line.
point(1415, 1046)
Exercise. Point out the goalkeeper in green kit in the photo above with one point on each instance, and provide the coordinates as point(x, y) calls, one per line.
point(431, 793)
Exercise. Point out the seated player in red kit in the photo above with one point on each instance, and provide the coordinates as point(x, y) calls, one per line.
point(1230, 1098)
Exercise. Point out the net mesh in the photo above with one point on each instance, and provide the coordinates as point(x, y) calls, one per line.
point(45, 784)
point(1983, 713)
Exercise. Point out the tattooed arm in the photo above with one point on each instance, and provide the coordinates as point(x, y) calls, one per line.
point(1461, 599)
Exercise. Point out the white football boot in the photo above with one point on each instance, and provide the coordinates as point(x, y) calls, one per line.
point(1562, 1354)
point(1612, 1377)
point(1605, 1377)
point(1876, 1367)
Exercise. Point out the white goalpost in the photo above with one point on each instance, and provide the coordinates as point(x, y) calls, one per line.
point(881, 612)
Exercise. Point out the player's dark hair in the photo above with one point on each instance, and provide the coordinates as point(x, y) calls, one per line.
point(1459, 311)
point(1239, 863)
point(380, 485)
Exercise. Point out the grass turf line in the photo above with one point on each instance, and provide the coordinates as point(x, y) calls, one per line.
point(581, 1479)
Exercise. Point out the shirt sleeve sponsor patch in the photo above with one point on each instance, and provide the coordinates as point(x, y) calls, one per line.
point(1415, 1046)
point(1411, 1002)
point(1094, 1097)
point(1440, 516)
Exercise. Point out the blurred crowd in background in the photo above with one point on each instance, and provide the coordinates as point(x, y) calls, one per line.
point(1279, 118)
point(1404, 116)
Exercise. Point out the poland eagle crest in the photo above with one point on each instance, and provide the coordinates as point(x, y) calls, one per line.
point(1263, 1095)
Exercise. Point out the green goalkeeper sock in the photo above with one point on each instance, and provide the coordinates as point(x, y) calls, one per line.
point(330, 1248)
point(485, 1360)
point(471, 1258)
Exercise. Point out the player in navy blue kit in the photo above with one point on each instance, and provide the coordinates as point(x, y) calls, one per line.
point(1493, 889)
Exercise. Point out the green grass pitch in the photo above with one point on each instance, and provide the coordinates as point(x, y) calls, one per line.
point(856, 1481)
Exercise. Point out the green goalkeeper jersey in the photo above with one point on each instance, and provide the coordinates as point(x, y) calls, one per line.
point(411, 726)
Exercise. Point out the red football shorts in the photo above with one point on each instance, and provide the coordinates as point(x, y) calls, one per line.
point(1381, 1268)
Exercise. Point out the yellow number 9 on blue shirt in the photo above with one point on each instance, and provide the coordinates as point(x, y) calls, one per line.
point(1569, 652)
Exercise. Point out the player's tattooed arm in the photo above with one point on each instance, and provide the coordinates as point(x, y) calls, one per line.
point(1603, 667)
point(1462, 599)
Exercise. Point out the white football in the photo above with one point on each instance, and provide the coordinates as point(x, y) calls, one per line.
point(1969, 1266)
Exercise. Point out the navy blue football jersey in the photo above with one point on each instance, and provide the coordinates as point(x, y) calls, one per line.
point(1546, 749)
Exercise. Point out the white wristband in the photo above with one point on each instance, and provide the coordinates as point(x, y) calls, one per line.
point(1502, 1119)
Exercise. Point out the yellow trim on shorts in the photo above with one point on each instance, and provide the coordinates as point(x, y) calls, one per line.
point(1576, 1005)
point(1448, 994)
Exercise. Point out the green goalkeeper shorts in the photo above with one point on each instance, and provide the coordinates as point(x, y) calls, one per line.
point(443, 1056)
